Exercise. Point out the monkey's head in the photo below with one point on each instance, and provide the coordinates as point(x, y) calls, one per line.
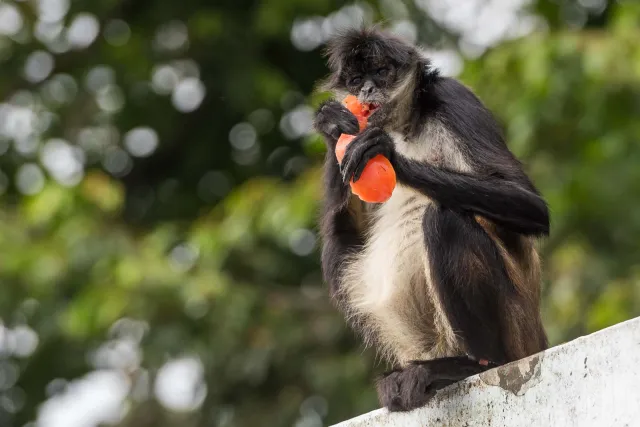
point(369, 64)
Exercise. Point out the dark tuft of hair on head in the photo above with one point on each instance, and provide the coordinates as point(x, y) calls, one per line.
point(365, 43)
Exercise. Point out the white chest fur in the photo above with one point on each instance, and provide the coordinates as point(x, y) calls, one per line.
point(395, 247)
point(388, 283)
point(435, 145)
point(395, 253)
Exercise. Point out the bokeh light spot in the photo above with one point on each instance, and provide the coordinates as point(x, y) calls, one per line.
point(188, 95)
point(83, 30)
point(30, 179)
point(141, 141)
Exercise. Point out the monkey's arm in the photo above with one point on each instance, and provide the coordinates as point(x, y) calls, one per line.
point(498, 188)
point(498, 199)
point(506, 201)
point(337, 226)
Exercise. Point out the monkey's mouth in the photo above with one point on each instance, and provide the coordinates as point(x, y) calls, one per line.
point(369, 107)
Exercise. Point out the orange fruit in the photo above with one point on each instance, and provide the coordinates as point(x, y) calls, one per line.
point(378, 178)
point(341, 145)
point(361, 111)
point(377, 181)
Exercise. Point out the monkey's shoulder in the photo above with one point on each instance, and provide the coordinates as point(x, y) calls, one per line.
point(436, 144)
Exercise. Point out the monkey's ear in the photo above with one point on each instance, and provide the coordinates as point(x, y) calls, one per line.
point(331, 83)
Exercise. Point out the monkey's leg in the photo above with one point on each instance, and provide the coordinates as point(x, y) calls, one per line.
point(470, 280)
point(340, 233)
point(495, 319)
point(484, 308)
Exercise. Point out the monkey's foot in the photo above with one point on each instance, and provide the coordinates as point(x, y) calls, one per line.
point(412, 387)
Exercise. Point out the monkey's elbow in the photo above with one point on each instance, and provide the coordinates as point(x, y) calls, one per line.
point(544, 229)
point(535, 220)
point(533, 228)
point(543, 223)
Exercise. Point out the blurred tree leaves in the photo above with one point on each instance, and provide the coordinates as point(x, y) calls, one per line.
point(206, 246)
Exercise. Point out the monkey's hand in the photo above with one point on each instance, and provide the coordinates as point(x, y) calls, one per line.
point(371, 142)
point(333, 119)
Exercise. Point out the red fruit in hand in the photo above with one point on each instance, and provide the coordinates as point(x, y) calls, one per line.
point(341, 145)
point(378, 178)
point(361, 111)
point(377, 181)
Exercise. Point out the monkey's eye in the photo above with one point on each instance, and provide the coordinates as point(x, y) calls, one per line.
point(382, 72)
point(356, 81)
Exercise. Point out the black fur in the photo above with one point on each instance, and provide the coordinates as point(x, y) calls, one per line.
point(341, 238)
point(425, 101)
point(470, 279)
point(361, 53)
point(501, 200)
point(334, 119)
point(337, 226)
point(468, 272)
point(480, 136)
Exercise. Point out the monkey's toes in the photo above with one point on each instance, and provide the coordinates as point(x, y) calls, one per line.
point(407, 389)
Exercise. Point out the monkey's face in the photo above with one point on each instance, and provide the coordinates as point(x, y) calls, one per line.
point(370, 81)
point(369, 64)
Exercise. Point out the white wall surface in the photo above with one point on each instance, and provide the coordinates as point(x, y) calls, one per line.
point(593, 381)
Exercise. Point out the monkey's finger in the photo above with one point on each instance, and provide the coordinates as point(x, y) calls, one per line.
point(348, 168)
point(377, 145)
point(350, 159)
point(358, 170)
point(325, 127)
point(345, 170)
point(368, 154)
point(343, 173)
point(359, 157)
point(351, 148)
point(361, 141)
point(333, 112)
point(346, 123)
point(350, 125)
point(333, 130)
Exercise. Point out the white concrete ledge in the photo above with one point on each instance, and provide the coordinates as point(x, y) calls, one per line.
point(593, 381)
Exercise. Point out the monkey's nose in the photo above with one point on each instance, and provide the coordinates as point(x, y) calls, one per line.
point(367, 90)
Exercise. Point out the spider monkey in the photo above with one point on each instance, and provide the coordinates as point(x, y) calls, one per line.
point(443, 279)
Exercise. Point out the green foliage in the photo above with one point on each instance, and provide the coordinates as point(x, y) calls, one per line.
point(197, 249)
